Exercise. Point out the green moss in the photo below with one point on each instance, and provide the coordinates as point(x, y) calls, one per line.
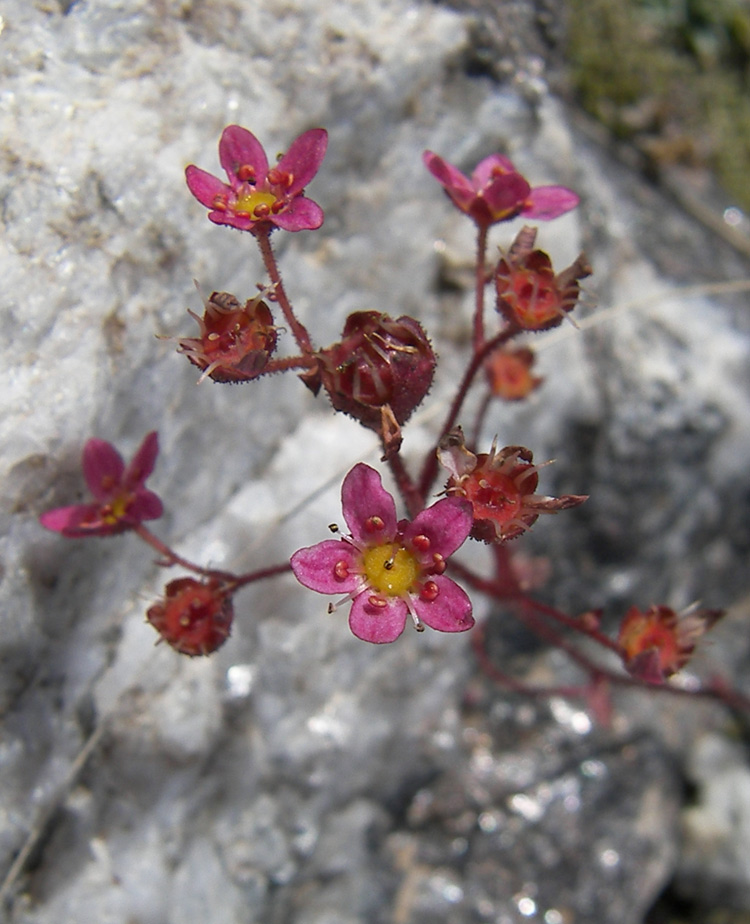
point(673, 76)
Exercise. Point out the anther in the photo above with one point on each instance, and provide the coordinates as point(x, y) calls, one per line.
point(277, 206)
point(219, 204)
point(421, 543)
point(429, 591)
point(388, 563)
point(378, 602)
point(341, 570)
point(261, 210)
point(374, 524)
point(246, 173)
point(333, 527)
point(438, 566)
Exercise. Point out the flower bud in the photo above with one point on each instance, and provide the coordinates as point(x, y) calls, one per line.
point(380, 362)
point(235, 342)
point(195, 617)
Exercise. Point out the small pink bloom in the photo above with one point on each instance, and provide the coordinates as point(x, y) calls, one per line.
point(256, 195)
point(390, 569)
point(122, 500)
point(497, 192)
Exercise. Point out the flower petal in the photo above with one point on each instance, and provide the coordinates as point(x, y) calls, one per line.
point(145, 506)
point(301, 215)
point(450, 611)
point(102, 468)
point(314, 567)
point(446, 524)
point(304, 157)
point(362, 497)
point(69, 520)
point(378, 624)
point(456, 183)
point(238, 147)
point(546, 202)
point(142, 463)
point(483, 172)
point(241, 222)
point(506, 194)
point(205, 186)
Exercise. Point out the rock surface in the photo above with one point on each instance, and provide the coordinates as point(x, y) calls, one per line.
point(299, 775)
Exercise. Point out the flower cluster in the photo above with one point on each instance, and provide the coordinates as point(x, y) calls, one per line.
point(387, 568)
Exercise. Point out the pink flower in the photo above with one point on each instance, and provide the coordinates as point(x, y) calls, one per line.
point(256, 195)
point(122, 501)
point(497, 192)
point(388, 568)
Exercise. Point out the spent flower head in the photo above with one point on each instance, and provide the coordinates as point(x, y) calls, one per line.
point(500, 485)
point(390, 569)
point(509, 373)
point(529, 294)
point(379, 371)
point(496, 191)
point(659, 642)
point(121, 499)
point(235, 341)
point(195, 617)
point(258, 197)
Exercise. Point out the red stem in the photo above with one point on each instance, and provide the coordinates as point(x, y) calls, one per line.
point(429, 471)
point(299, 331)
point(480, 284)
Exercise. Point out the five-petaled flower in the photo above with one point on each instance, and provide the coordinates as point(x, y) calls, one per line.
point(500, 485)
point(121, 499)
point(529, 294)
point(258, 196)
point(496, 191)
point(659, 642)
point(389, 568)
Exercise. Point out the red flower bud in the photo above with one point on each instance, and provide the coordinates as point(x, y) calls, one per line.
point(195, 617)
point(380, 362)
point(235, 342)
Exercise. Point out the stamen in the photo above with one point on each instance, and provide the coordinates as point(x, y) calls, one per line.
point(333, 527)
point(379, 603)
point(374, 524)
point(246, 173)
point(261, 210)
point(341, 570)
point(388, 563)
point(429, 591)
point(421, 543)
point(439, 563)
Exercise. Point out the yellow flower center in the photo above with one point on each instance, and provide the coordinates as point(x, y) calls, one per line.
point(114, 512)
point(390, 569)
point(249, 203)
